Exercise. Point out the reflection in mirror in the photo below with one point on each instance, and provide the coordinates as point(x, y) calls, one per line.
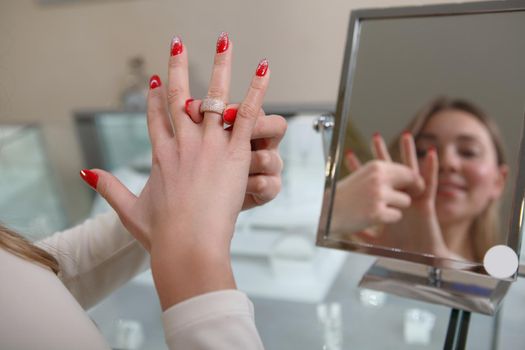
point(430, 136)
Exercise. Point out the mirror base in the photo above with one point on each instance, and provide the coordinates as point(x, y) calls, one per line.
point(470, 292)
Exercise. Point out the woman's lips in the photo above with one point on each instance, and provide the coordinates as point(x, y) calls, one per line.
point(450, 189)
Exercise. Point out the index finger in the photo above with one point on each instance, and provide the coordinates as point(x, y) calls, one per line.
point(379, 148)
point(252, 103)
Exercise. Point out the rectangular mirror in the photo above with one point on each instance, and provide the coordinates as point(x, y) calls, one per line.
point(453, 76)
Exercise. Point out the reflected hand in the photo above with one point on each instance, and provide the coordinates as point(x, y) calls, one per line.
point(418, 228)
point(373, 194)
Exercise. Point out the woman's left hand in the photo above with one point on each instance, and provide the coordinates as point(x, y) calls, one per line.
point(266, 165)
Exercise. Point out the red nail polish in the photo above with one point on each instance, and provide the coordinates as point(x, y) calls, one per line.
point(230, 115)
point(90, 177)
point(406, 133)
point(154, 82)
point(262, 68)
point(222, 42)
point(176, 45)
point(432, 149)
point(349, 153)
point(377, 134)
point(187, 104)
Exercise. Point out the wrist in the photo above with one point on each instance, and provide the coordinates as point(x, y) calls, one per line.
point(181, 272)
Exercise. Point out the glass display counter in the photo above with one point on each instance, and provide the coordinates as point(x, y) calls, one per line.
point(305, 297)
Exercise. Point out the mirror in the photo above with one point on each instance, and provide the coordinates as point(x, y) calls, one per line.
point(453, 77)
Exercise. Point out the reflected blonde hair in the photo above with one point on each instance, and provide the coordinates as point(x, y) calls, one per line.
point(486, 227)
point(23, 248)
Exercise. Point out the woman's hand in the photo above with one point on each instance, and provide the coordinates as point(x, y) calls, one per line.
point(186, 213)
point(264, 182)
point(373, 194)
point(416, 228)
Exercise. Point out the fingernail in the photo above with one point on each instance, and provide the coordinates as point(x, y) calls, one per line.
point(432, 149)
point(377, 134)
point(407, 133)
point(229, 115)
point(154, 82)
point(262, 68)
point(187, 105)
point(176, 45)
point(349, 153)
point(222, 42)
point(90, 177)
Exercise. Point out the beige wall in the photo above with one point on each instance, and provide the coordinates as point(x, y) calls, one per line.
point(55, 59)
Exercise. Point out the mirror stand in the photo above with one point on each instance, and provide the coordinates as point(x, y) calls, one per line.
point(456, 289)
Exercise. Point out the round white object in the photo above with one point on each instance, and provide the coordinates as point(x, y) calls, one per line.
point(500, 261)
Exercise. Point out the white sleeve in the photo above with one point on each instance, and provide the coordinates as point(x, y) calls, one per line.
point(217, 320)
point(96, 257)
point(38, 312)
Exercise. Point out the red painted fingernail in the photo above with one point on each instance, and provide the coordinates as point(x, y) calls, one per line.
point(349, 153)
point(262, 68)
point(407, 133)
point(222, 42)
point(176, 45)
point(90, 177)
point(432, 149)
point(187, 104)
point(377, 134)
point(154, 82)
point(229, 115)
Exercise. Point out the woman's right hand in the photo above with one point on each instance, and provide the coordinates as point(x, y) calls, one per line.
point(186, 213)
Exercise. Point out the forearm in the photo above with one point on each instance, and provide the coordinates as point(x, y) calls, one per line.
point(96, 257)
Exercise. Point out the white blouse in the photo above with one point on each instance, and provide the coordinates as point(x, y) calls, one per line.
point(40, 311)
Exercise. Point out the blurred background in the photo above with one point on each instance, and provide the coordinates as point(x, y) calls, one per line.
point(74, 75)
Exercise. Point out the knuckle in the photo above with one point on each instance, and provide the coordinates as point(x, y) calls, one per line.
point(247, 110)
point(174, 93)
point(220, 61)
point(258, 85)
point(154, 110)
point(376, 166)
point(215, 92)
point(174, 62)
point(260, 185)
point(264, 160)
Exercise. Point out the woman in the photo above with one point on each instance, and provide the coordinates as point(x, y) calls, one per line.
point(452, 209)
point(202, 176)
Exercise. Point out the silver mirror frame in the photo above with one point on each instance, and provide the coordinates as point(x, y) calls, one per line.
point(341, 121)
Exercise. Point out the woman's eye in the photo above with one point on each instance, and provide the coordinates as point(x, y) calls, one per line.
point(468, 153)
point(421, 152)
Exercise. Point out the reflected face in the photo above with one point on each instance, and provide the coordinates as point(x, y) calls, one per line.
point(469, 176)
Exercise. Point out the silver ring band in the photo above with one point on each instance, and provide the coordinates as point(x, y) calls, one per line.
point(212, 105)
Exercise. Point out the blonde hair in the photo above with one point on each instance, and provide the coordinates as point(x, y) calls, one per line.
point(23, 248)
point(486, 227)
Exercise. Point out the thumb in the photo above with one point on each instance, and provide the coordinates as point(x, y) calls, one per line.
point(111, 189)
